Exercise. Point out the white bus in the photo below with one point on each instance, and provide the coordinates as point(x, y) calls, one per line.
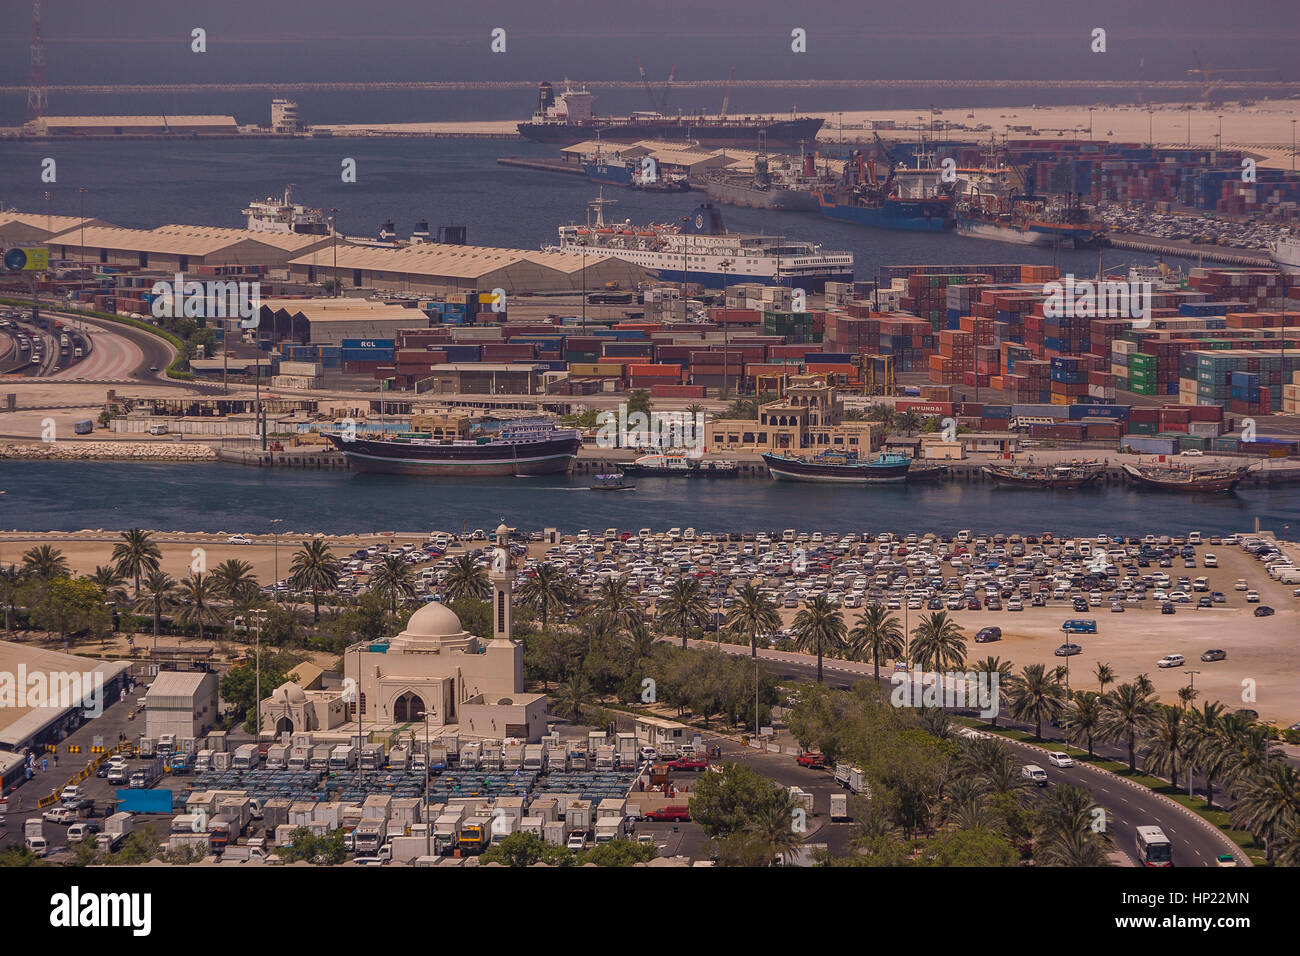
point(1153, 847)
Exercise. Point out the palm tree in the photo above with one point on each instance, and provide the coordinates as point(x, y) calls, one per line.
point(233, 579)
point(1066, 834)
point(937, 643)
point(1268, 804)
point(1204, 751)
point(136, 554)
point(1126, 712)
point(1246, 748)
point(549, 589)
point(1143, 683)
point(683, 608)
point(752, 614)
point(110, 579)
point(1105, 675)
point(909, 421)
point(314, 568)
point(773, 824)
point(11, 578)
point(198, 596)
point(44, 562)
point(996, 665)
point(877, 634)
point(615, 608)
point(159, 595)
point(466, 579)
point(819, 626)
point(1082, 718)
point(885, 414)
point(573, 694)
point(393, 579)
point(1167, 740)
point(1035, 693)
point(1186, 695)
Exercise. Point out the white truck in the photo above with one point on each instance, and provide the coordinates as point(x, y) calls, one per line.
point(608, 830)
point(446, 829)
point(512, 755)
point(839, 807)
point(606, 757)
point(277, 757)
point(373, 757)
point(320, 757)
point(203, 761)
point(535, 757)
point(254, 850)
point(116, 829)
point(471, 755)
point(850, 778)
point(369, 836)
point(247, 757)
point(343, 757)
point(299, 758)
point(34, 836)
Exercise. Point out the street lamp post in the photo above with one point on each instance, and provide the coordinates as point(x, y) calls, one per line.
point(685, 264)
point(428, 851)
point(275, 585)
point(1151, 138)
point(725, 264)
point(81, 190)
point(1293, 146)
point(334, 235)
point(1091, 110)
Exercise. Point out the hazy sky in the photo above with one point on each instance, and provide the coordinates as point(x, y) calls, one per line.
point(148, 40)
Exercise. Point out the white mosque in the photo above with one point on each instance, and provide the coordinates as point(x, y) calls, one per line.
point(433, 671)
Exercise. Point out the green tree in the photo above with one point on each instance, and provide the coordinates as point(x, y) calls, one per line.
point(751, 617)
point(67, 607)
point(1167, 739)
point(328, 849)
point(730, 801)
point(617, 853)
point(1268, 804)
point(314, 568)
point(1082, 718)
point(44, 562)
point(11, 581)
point(683, 608)
point(638, 400)
point(465, 579)
point(197, 602)
point(136, 555)
point(394, 579)
point(159, 595)
point(234, 580)
point(615, 608)
point(1036, 693)
point(109, 579)
point(239, 685)
point(548, 589)
point(819, 627)
point(877, 634)
point(937, 644)
point(978, 846)
point(1105, 675)
point(1068, 833)
point(1126, 714)
point(996, 665)
point(526, 849)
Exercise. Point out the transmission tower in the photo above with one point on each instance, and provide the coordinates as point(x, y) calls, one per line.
point(37, 102)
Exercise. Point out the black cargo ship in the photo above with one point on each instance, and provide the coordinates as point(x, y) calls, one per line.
point(516, 450)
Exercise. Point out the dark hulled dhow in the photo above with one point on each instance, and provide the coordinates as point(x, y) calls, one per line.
point(518, 449)
point(840, 467)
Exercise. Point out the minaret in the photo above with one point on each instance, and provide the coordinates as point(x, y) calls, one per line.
point(501, 574)
point(502, 577)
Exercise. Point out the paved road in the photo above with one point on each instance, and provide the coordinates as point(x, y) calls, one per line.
point(1127, 805)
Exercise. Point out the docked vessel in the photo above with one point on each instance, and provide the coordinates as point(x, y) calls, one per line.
point(1187, 480)
point(1076, 474)
point(612, 482)
point(518, 448)
point(841, 467)
point(568, 118)
point(916, 203)
point(1028, 225)
point(285, 216)
point(629, 174)
point(1286, 254)
point(700, 250)
point(785, 184)
point(670, 465)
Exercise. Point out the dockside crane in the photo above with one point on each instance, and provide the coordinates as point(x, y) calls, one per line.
point(1207, 75)
point(726, 95)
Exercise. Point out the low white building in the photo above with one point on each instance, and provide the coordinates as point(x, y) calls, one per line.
point(183, 703)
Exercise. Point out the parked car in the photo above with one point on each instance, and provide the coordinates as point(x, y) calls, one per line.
point(1216, 654)
point(813, 761)
point(1059, 759)
point(1069, 650)
point(679, 813)
point(693, 764)
point(1167, 608)
point(986, 635)
point(1171, 660)
point(82, 831)
point(238, 539)
point(60, 815)
point(1263, 611)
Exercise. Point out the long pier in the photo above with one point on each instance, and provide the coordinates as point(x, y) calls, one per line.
point(1187, 250)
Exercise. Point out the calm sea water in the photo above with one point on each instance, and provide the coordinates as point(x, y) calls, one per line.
point(66, 496)
point(143, 184)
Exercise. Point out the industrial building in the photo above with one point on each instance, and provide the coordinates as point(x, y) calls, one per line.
point(434, 268)
point(46, 694)
point(183, 703)
point(809, 418)
point(330, 321)
point(522, 378)
point(146, 125)
point(179, 247)
point(34, 228)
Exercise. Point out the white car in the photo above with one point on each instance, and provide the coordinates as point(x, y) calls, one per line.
point(1241, 585)
point(1192, 453)
point(1252, 597)
point(238, 539)
point(1211, 561)
point(1058, 759)
point(1171, 660)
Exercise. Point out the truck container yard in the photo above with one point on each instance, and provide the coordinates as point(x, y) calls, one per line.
point(247, 757)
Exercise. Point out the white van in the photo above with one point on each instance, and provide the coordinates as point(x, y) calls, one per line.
point(158, 429)
point(1034, 774)
point(1193, 537)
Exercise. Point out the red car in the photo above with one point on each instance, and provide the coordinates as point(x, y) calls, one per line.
point(674, 814)
point(812, 761)
point(698, 764)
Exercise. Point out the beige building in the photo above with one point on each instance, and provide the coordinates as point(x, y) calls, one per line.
point(179, 248)
point(433, 671)
point(148, 125)
point(183, 703)
point(809, 418)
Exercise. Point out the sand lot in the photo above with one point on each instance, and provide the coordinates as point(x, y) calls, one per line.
point(1263, 653)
